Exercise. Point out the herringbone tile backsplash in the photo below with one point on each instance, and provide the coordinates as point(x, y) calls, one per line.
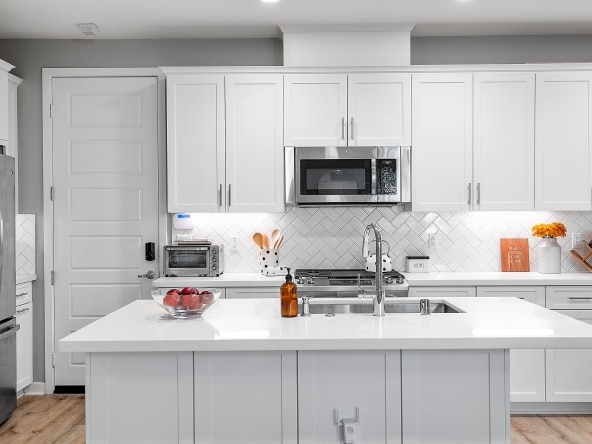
point(331, 237)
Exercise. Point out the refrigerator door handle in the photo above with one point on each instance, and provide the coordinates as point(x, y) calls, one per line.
point(11, 331)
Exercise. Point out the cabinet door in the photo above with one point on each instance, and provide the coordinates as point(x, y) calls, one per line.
point(12, 148)
point(24, 346)
point(246, 397)
point(253, 292)
point(315, 110)
point(568, 370)
point(504, 141)
point(195, 143)
point(442, 292)
point(254, 148)
point(442, 142)
point(3, 107)
point(527, 366)
point(455, 396)
point(379, 109)
point(359, 386)
point(563, 165)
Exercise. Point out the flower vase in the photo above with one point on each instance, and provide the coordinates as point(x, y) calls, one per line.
point(549, 256)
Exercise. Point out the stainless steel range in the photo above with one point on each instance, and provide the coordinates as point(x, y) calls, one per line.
point(324, 283)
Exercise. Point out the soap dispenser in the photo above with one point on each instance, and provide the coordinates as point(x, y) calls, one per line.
point(289, 297)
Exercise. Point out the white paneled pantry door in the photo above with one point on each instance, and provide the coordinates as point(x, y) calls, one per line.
point(105, 204)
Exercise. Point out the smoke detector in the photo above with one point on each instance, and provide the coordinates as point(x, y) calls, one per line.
point(88, 29)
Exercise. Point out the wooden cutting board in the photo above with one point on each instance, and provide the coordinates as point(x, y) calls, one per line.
point(514, 254)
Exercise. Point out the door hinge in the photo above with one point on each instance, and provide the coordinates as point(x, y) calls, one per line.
point(51, 193)
point(52, 277)
point(51, 110)
point(53, 360)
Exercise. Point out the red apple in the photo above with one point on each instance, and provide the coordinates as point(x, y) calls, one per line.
point(172, 299)
point(173, 290)
point(206, 296)
point(191, 301)
point(189, 290)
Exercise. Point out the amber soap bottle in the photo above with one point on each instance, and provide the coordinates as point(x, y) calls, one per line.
point(289, 297)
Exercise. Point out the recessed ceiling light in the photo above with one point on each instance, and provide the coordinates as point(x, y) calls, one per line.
point(270, 1)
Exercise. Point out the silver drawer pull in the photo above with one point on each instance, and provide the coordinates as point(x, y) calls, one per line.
point(24, 310)
point(583, 298)
point(20, 295)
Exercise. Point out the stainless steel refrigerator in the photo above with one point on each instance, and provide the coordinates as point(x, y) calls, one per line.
point(8, 326)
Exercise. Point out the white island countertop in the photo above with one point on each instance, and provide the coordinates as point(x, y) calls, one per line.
point(256, 324)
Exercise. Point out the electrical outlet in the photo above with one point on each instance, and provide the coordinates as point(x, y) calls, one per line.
point(576, 240)
point(433, 241)
point(234, 242)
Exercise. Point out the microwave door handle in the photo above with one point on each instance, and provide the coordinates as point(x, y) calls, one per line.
point(373, 178)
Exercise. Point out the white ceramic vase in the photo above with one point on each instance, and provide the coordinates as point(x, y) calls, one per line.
point(549, 256)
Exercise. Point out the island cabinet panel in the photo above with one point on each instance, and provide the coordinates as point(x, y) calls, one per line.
point(441, 390)
point(349, 393)
point(527, 366)
point(442, 292)
point(253, 292)
point(139, 397)
point(245, 397)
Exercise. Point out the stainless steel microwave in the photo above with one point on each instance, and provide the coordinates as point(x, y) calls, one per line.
point(348, 175)
point(193, 260)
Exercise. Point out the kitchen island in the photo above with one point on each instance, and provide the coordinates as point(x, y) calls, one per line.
point(244, 374)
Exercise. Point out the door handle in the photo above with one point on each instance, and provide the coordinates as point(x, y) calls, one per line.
point(149, 274)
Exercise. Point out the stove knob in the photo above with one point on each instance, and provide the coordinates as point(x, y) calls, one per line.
point(299, 280)
point(388, 280)
point(311, 280)
point(400, 280)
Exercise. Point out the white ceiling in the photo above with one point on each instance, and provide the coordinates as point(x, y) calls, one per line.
point(139, 19)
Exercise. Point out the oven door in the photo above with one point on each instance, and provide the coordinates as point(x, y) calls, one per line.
point(187, 260)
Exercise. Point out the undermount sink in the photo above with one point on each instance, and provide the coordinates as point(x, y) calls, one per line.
point(331, 306)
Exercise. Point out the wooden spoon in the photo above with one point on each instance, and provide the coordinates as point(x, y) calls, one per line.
point(275, 235)
point(278, 242)
point(265, 240)
point(258, 239)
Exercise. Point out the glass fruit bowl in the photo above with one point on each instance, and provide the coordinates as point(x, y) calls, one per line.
point(186, 303)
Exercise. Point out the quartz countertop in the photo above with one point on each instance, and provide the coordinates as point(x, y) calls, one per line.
point(256, 324)
point(433, 279)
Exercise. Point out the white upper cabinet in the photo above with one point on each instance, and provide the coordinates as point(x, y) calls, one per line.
point(342, 110)
point(503, 148)
point(563, 141)
point(195, 143)
point(473, 141)
point(254, 149)
point(224, 143)
point(442, 142)
point(4, 68)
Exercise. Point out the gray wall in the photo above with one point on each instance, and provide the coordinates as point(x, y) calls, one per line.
point(31, 55)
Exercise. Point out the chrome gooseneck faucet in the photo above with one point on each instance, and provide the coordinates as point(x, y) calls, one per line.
point(379, 297)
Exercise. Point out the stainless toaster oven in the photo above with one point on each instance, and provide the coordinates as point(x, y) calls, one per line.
point(193, 260)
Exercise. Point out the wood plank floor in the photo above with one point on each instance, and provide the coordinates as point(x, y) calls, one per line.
point(59, 419)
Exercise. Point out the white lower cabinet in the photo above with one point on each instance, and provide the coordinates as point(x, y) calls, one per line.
point(455, 396)
point(246, 397)
point(253, 292)
point(527, 366)
point(349, 396)
point(139, 398)
point(568, 370)
point(442, 292)
point(24, 336)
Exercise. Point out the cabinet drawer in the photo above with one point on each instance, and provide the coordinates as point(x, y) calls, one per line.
point(442, 292)
point(252, 292)
point(24, 293)
point(569, 298)
point(534, 294)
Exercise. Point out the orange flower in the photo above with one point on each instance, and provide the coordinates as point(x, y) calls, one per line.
point(554, 229)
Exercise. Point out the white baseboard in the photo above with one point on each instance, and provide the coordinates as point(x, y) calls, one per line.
point(36, 388)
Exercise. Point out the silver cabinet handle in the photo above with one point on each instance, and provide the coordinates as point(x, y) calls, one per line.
point(20, 295)
point(577, 298)
point(11, 331)
point(469, 200)
point(229, 193)
point(220, 195)
point(343, 128)
point(479, 193)
point(352, 129)
point(24, 310)
point(149, 274)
